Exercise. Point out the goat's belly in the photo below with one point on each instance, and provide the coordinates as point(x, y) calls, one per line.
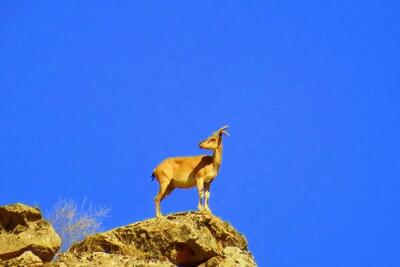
point(184, 182)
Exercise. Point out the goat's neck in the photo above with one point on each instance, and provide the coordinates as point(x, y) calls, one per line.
point(217, 158)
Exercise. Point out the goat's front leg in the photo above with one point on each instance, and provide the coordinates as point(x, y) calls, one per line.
point(200, 189)
point(207, 196)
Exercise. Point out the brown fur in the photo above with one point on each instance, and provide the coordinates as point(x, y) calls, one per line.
point(187, 172)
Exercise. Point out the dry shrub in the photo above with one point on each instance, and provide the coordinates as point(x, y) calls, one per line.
point(73, 223)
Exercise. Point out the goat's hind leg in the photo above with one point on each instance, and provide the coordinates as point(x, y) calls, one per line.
point(160, 196)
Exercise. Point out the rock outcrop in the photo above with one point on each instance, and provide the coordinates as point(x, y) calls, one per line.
point(25, 259)
point(181, 239)
point(26, 239)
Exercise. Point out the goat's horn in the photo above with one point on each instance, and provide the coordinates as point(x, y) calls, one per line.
point(226, 133)
point(223, 128)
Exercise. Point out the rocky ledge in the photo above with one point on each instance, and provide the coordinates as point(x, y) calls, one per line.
point(181, 239)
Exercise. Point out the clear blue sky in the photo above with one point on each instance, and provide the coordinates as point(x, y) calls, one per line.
point(93, 95)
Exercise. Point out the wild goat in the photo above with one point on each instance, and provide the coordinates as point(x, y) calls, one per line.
point(186, 172)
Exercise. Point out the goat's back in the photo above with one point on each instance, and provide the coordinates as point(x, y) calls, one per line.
point(182, 169)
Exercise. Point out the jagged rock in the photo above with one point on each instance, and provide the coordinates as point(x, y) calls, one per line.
point(25, 259)
point(96, 259)
point(23, 229)
point(183, 239)
point(232, 257)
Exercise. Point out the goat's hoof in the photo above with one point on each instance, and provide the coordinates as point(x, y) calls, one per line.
point(203, 211)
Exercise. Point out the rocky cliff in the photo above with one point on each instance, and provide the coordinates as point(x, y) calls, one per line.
point(26, 239)
point(181, 239)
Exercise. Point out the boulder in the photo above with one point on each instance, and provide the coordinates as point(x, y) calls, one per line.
point(25, 259)
point(22, 229)
point(232, 257)
point(181, 239)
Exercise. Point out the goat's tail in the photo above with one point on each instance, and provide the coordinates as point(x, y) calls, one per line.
point(153, 176)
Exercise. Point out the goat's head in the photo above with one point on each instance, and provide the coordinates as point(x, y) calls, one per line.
point(214, 141)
